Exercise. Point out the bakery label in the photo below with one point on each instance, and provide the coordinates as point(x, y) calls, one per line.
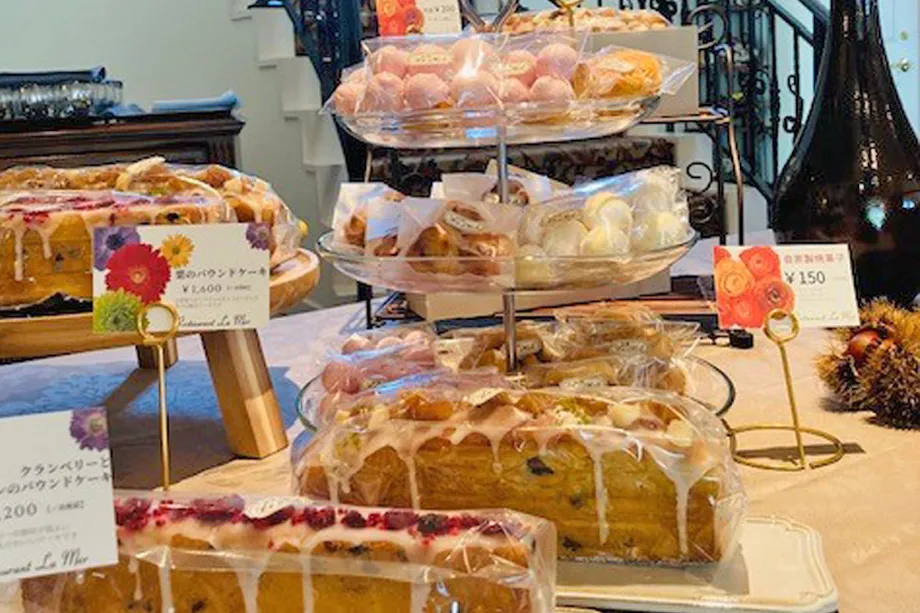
point(463, 223)
point(56, 508)
point(528, 346)
point(216, 276)
point(575, 383)
point(813, 281)
point(401, 17)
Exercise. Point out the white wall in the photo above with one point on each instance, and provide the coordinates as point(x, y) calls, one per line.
point(165, 49)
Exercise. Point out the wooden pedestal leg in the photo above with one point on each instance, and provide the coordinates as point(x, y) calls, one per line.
point(247, 399)
point(146, 356)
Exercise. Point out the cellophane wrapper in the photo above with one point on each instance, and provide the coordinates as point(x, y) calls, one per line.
point(626, 474)
point(245, 555)
point(365, 212)
point(581, 352)
point(251, 198)
point(455, 82)
point(601, 19)
point(46, 243)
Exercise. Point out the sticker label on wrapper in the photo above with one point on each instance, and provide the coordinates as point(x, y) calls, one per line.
point(56, 507)
point(815, 282)
point(215, 275)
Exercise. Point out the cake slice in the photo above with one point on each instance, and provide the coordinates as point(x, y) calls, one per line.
point(284, 555)
point(625, 474)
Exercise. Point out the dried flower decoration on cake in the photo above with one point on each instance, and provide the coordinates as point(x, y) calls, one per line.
point(89, 429)
point(109, 240)
point(177, 249)
point(139, 269)
point(258, 235)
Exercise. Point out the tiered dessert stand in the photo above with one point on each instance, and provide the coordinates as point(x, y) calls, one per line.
point(250, 410)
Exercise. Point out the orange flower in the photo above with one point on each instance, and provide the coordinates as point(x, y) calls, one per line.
point(761, 261)
point(732, 278)
point(720, 253)
point(773, 293)
point(746, 312)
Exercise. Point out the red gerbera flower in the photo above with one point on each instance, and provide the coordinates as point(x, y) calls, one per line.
point(139, 269)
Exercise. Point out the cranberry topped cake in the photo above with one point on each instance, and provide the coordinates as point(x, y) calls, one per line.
point(230, 555)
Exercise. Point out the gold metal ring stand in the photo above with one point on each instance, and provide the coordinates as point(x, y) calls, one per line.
point(773, 318)
point(158, 341)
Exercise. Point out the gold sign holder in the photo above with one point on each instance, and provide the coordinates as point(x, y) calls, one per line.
point(158, 341)
point(780, 339)
point(568, 7)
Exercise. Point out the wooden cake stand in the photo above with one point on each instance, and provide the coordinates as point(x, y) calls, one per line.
point(252, 417)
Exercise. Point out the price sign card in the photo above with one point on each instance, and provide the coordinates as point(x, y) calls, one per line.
point(215, 275)
point(56, 507)
point(400, 17)
point(813, 281)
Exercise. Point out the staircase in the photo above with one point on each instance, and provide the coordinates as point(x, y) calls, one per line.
point(301, 96)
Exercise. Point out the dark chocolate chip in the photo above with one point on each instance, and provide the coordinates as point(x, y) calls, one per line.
point(359, 550)
point(198, 606)
point(577, 500)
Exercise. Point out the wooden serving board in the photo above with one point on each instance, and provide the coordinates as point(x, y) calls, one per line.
point(291, 282)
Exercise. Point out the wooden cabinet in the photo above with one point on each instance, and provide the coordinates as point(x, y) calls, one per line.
point(189, 138)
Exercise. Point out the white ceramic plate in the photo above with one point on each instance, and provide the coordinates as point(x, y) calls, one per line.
point(779, 567)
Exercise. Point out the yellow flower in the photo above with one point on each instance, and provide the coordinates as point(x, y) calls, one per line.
point(177, 249)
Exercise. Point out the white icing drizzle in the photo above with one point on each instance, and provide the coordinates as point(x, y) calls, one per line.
point(80, 577)
point(18, 231)
point(306, 564)
point(598, 437)
point(166, 597)
point(134, 569)
point(249, 569)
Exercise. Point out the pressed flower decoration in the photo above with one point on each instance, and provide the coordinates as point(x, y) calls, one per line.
point(89, 429)
point(258, 235)
point(177, 249)
point(116, 312)
point(109, 240)
point(140, 270)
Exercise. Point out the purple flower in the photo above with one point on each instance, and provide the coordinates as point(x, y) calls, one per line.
point(89, 428)
point(258, 235)
point(109, 240)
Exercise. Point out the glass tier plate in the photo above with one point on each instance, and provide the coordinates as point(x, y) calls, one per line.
point(709, 386)
point(452, 128)
point(429, 275)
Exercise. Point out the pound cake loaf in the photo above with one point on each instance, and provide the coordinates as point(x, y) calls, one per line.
point(625, 473)
point(46, 236)
point(250, 198)
point(229, 555)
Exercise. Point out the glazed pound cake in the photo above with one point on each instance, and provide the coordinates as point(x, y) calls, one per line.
point(250, 198)
point(625, 474)
point(46, 245)
point(227, 555)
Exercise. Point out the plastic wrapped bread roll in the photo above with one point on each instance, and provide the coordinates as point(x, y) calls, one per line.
point(350, 218)
point(245, 555)
point(626, 474)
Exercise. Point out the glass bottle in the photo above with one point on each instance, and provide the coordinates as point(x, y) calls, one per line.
point(854, 172)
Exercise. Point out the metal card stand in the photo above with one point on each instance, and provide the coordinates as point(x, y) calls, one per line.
point(781, 338)
point(158, 341)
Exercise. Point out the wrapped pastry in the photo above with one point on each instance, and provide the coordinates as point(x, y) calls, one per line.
point(381, 338)
point(602, 19)
point(350, 218)
point(244, 555)
point(455, 237)
point(410, 76)
point(618, 368)
point(615, 217)
point(626, 474)
point(524, 187)
point(618, 74)
point(471, 348)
